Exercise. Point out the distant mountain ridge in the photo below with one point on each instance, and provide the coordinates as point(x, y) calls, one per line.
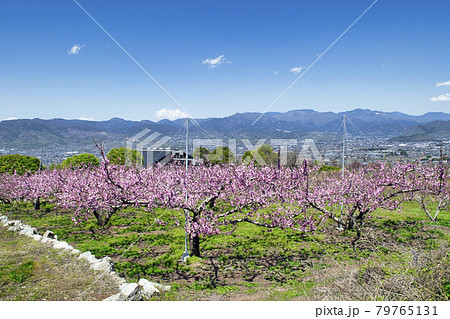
point(298, 123)
point(36, 133)
point(433, 131)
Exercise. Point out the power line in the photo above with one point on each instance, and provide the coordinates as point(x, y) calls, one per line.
point(135, 61)
point(315, 61)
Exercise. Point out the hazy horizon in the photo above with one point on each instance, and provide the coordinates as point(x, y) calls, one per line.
point(107, 119)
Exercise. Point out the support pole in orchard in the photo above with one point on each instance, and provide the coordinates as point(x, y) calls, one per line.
point(40, 159)
point(125, 152)
point(343, 166)
point(186, 252)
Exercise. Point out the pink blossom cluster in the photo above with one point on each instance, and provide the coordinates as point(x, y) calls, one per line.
point(223, 195)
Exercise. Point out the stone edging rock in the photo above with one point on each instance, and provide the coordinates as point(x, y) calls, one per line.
point(127, 291)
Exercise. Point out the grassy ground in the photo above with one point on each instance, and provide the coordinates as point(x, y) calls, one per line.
point(32, 271)
point(401, 256)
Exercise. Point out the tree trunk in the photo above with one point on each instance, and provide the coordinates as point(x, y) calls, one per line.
point(37, 204)
point(194, 244)
point(350, 223)
point(103, 217)
point(194, 240)
point(358, 236)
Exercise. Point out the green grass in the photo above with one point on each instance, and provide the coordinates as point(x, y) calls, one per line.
point(252, 261)
point(22, 272)
point(411, 211)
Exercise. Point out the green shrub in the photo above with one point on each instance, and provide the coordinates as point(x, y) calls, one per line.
point(221, 155)
point(81, 160)
point(264, 152)
point(19, 164)
point(117, 156)
point(328, 168)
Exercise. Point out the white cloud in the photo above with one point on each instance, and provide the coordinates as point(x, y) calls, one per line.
point(170, 114)
point(75, 49)
point(441, 98)
point(213, 63)
point(275, 72)
point(86, 118)
point(297, 69)
point(9, 119)
point(443, 84)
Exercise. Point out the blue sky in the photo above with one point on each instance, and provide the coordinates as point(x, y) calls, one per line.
point(216, 58)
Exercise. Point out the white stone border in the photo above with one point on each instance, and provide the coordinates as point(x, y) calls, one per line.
point(127, 291)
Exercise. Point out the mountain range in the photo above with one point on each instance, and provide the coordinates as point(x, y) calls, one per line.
point(78, 134)
point(433, 131)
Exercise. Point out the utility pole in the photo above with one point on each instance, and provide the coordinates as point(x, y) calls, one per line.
point(343, 148)
point(343, 166)
point(40, 159)
point(125, 147)
point(186, 253)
